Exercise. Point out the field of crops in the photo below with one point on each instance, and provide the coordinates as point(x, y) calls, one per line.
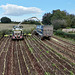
point(33, 56)
point(10, 26)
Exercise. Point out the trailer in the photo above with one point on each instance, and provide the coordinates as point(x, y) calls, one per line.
point(44, 31)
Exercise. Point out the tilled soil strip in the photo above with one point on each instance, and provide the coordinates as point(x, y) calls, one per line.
point(52, 53)
point(28, 62)
point(37, 65)
point(15, 60)
point(48, 58)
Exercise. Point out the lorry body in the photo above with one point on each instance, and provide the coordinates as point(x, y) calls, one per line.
point(44, 31)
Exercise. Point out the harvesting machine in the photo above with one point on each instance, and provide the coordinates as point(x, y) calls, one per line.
point(17, 32)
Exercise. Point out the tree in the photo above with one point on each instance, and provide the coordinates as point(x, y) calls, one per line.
point(59, 24)
point(72, 17)
point(5, 20)
point(47, 18)
point(57, 14)
point(73, 22)
point(62, 15)
point(58, 17)
point(31, 22)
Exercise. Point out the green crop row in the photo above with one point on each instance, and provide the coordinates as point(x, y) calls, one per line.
point(8, 32)
point(4, 32)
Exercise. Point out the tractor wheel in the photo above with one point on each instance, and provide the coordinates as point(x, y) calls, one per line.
point(49, 38)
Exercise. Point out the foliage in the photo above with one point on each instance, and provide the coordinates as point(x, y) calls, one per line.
point(47, 51)
point(73, 26)
point(47, 73)
point(5, 20)
point(65, 69)
point(28, 31)
point(71, 73)
point(1, 34)
point(31, 22)
point(57, 14)
point(4, 32)
point(59, 19)
point(59, 24)
point(47, 18)
point(15, 22)
point(65, 35)
point(53, 64)
point(72, 17)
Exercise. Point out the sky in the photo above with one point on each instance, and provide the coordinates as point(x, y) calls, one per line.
point(18, 10)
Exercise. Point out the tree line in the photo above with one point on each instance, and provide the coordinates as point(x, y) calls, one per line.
point(58, 18)
point(8, 20)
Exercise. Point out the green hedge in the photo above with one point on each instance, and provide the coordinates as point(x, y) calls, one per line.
point(73, 26)
point(65, 35)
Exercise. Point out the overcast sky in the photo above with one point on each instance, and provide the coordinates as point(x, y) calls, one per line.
point(19, 10)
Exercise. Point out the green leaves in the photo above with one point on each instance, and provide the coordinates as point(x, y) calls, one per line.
point(47, 73)
point(47, 51)
point(71, 73)
point(59, 19)
point(53, 64)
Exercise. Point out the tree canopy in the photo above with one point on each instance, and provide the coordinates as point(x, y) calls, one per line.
point(5, 20)
point(59, 19)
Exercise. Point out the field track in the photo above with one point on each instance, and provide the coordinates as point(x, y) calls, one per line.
point(33, 56)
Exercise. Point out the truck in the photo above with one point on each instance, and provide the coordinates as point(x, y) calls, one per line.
point(43, 31)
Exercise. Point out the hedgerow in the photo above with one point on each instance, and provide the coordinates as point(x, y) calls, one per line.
point(63, 34)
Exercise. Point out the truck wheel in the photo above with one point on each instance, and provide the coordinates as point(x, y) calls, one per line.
point(42, 38)
point(49, 38)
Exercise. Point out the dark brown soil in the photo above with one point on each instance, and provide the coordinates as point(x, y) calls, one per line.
point(31, 57)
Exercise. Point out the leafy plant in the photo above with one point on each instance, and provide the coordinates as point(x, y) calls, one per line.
point(31, 49)
point(53, 64)
point(64, 69)
point(73, 64)
point(47, 51)
point(71, 73)
point(40, 50)
point(47, 73)
point(40, 55)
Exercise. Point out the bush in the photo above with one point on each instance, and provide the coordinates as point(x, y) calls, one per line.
point(65, 35)
point(59, 24)
point(73, 26)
